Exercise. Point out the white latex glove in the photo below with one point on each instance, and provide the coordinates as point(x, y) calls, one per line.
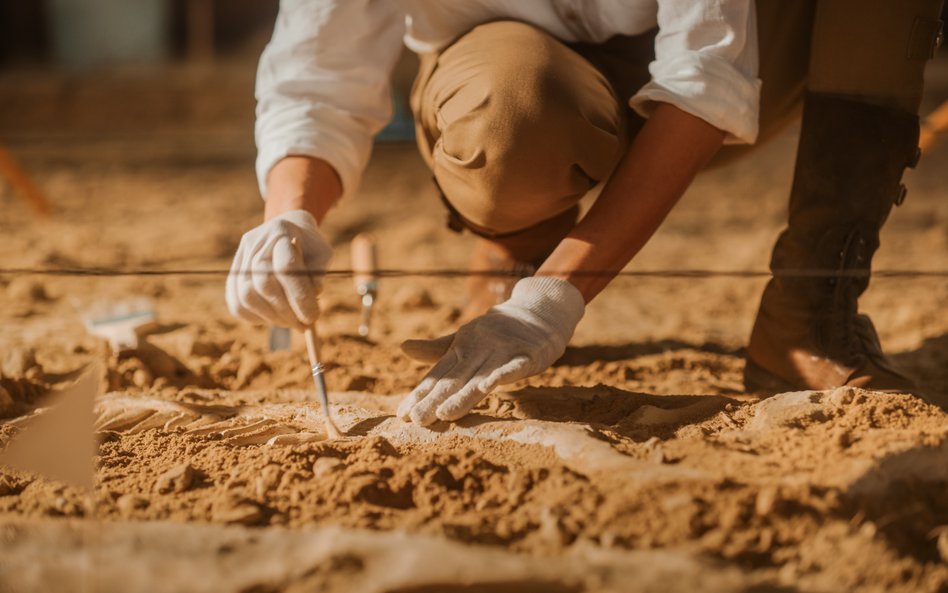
point(514, 340)
point(273, 294)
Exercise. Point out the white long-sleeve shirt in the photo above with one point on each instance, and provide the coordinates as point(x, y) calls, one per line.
point(323, 82)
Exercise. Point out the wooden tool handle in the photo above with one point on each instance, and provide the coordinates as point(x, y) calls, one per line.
point(364, 259)
point(312, 345)
point(24, 187)
point(936, 123)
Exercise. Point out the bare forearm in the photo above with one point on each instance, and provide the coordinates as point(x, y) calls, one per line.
point(658, 167)
point(302, 183)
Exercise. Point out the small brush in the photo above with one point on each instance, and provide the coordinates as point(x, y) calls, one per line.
point(312, 348)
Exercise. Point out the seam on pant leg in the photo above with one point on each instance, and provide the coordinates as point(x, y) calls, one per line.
point(923, 41)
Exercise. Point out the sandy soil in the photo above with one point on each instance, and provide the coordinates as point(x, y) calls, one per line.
point(636, 463)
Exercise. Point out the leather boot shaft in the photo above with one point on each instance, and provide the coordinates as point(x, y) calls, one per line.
point(848, 176)
point(809, 333)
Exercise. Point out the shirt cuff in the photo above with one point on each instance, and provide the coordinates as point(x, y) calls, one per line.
point(347, 151)
point(708, 87)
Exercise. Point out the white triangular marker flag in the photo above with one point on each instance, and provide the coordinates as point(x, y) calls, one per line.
point(60, 443)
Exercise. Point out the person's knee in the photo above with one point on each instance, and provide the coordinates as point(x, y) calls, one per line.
point(511, 92)
point(526, 133)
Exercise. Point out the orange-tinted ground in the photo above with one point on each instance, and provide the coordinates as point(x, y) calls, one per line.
point(636, 463)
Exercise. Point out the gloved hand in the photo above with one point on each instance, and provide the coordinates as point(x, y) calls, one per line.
point(514, 340)
point(273, 294)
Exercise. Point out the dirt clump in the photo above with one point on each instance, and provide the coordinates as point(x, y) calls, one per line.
point(176, 480)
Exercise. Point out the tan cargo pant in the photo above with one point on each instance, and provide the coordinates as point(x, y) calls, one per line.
point(517, 126)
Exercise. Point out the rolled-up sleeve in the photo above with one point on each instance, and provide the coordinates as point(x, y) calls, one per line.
point(706, 65)
point(323, 84)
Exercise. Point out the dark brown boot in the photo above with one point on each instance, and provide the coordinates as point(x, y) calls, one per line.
point(808, 333)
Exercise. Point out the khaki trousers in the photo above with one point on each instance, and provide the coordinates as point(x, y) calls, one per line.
point(517, 126)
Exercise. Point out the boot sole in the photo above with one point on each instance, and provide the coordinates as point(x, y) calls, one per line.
point(761, 381)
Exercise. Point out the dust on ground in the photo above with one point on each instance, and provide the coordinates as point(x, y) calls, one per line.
point(636, 462)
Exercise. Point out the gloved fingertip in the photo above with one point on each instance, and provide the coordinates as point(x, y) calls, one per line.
point(423, 412)
point(405, 407)
point(307, 319)
point(427, 350)
point(422, 417)
point(449, 412)
point(233, 308)
point(248, 316)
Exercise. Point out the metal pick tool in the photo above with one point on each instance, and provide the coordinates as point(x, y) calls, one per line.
point(365, 277)
point(312, 348)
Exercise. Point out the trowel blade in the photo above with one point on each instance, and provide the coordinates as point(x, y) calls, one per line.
point(279, 339)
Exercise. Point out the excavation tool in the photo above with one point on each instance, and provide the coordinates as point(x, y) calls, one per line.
point(12, 171)
point(122, 322)
point(312, 348)
point(280, 339)
point(932, 126)
point(365, 277)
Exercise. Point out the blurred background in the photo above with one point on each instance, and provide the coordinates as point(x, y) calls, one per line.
point(93, 33)
point(120, 66)
point(109, 71)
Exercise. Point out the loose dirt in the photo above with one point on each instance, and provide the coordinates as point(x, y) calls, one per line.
point(637, 463)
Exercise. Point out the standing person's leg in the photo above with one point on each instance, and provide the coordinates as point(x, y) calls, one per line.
point(517, 128)
point(860, 132)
